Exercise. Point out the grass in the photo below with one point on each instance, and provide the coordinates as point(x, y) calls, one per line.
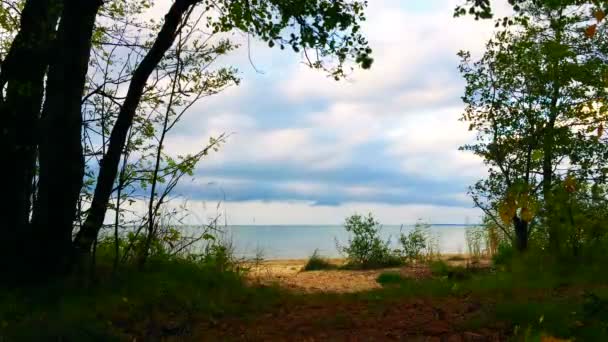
point(388, 278)
point(563, 317)
point(317, 263)
point(530, 298)
point(161, 301)
point(527, 297)
point(387, 262)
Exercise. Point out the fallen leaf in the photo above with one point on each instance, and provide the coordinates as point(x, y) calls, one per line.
point(590, 31)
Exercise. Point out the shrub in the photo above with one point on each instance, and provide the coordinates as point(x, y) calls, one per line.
point(504, 254)
point(439, 268)
point(414, 243)
point(365, 248)
point(389, 278)
point(476, 238)
point(316, 262)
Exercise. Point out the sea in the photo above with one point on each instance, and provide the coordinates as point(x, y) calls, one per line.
point(272, 242)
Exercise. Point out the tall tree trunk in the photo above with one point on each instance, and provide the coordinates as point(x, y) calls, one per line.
point(22, 81)
point(61, 154)
point(521, 234)
point(549, 138)
point(548, 153)
point(111, 160)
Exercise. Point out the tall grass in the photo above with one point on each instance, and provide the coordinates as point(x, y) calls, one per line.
point(477, 241)
point(316, 263)
point(160, 300)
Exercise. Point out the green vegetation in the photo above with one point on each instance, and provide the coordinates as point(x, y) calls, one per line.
point(316, 263)
point(414, 242)
point(83, 139)
point(365, 248)
point(477, 240)
point(162, 300)
point(387, 278)
point(533, 295)
point(63, 112)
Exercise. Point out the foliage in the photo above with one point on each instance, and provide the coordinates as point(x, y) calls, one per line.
point(415, 242)
point(9, 23)
point(316, 263)
point(533, 100)
point(388, 278)
point(476, 239)
point(504, 254)
point(143, 73)
point(439, 268)
point(163, 300)
point(365, 248)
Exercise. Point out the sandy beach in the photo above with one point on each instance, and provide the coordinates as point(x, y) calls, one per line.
point(289, 274)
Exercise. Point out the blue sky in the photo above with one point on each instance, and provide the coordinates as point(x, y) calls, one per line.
point(305, 149)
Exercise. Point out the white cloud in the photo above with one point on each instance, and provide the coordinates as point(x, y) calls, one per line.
point(406, 107)
point(402, 42)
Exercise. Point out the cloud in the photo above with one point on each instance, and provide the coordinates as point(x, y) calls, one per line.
point(308, 149)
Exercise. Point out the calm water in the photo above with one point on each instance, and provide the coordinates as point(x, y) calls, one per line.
point(298, 242)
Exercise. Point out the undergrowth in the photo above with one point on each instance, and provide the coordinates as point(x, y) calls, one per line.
point(317, 263)
point(164, 299)
point(532, 296)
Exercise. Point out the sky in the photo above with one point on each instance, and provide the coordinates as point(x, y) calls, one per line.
point(305, 149)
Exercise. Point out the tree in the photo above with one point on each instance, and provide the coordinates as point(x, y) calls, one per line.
point(21, 92)
point(60, 135)
point(256, 19)
point(528, 98)
point(501, 108)
point(327, 30)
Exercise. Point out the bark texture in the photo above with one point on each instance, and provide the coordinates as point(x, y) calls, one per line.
point(61, 153)
point(21, 94)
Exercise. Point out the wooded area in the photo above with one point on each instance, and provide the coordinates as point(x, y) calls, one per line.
point(90, 91)
point(68, 127)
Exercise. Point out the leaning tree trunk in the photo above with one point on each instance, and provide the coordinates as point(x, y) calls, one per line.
point(111, 160)
point(61, 154)
point(21, 93)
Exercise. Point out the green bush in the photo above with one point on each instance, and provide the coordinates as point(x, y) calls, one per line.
point(505, 253)
point(439, 268)
point(388, 278)
point(316, 263)
point(365, 248)
point(442, 269)
point(414, 243)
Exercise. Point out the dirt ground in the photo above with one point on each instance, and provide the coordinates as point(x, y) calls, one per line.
point(405, 320)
